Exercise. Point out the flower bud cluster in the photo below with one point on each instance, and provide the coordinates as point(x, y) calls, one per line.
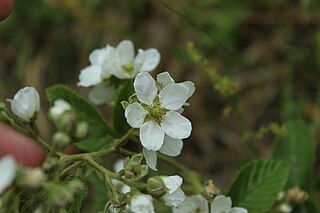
point(65, 119)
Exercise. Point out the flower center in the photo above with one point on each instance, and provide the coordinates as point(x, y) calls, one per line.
point(156, 112)
point(128, 68)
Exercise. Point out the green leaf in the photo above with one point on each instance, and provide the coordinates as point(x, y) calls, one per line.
point(258, 184)
point(84, 111)
point(98, 195)
point(120, 124)
point(297, 148)
point(78, 201)
point(96, 144)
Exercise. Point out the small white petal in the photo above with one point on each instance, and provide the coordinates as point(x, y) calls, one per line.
point(175, 125)
point(98, 56)
point(150, 59)
point(190, 86)
point(118, 165)
point(171, 147)
point(125, 51)
point(173, 96)
point(238, 210)
point(172, 183)
point(145, 87)
point(90, 76)
point(25, 103)
point(59, 107)
point(135, 115)
point(151, 158)
point(174, 199)
point(151, 136)
point(221, 204)
point(193, 204)
point(164, 79)
point(102, 94)
point(8, 172)
point(123, 188)
point(141, 204)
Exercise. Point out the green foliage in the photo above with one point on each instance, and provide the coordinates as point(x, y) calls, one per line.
point(258, 184)
point(297, 148)
point(96, 144)
point(120, 124)
point(99, 127)
point(98, 194)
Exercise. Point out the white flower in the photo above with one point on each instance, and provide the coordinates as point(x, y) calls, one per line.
point(117, 167)
point(162, 128)
point(59, 107)
point(118, 61)
point(26, 103)
point(141, 204)
point(196, 203)
point(223, 204)
point(8, 172)
point(174, 196)
point(125, 65)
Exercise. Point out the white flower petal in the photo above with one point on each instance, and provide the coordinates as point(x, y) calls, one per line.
point(98, 56)
point(90, 76)
point(172, 183)
point(145, 88)
point(8, 172)
point(102, 94)
point(220, 204)
point(59, 107)
point(141, 204)
point(111, 63)
point(135, 115)
point(151, 158)
point(174, 199)
point(164, 79)
point(238, 210)
point(193, 204)
point(190, 86)
point(151, 136)
point(175, 125)
point(171, 147)
point(25, 103)
point(173, 96)
point(151, 59)
point(118, 165)
point(123, 188)
point(125, 51)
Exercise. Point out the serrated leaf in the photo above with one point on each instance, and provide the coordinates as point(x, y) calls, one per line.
point(84, 111)
point(78, 201)
point(96, 144)
point(120, 124)
point(297, 148)
point(258, 184)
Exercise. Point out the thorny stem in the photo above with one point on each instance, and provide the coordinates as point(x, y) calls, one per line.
point(189, 174)
point(100, 153)
point(69, 168)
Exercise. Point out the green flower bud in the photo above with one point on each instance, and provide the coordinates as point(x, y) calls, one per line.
point(61, 139)
point(133, 169)
point(82, 129)
point(66, 121)
point(119, 200)
point(156, 186)
point(31, 178)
